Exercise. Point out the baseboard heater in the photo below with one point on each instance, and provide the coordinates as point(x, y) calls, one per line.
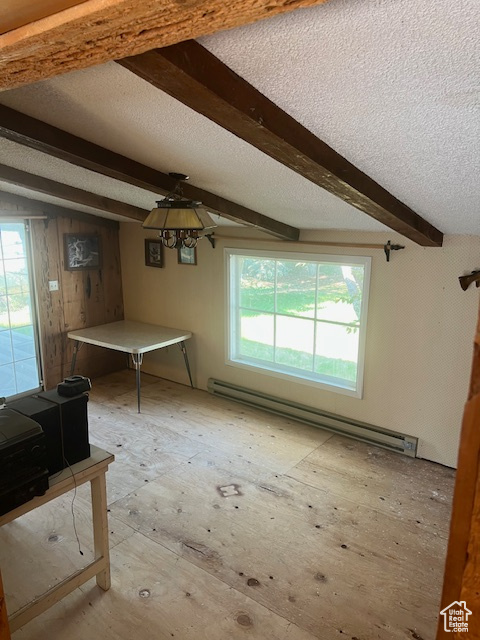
point(392, 440)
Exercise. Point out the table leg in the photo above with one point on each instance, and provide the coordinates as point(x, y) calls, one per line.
point(187, 364)
point(137, 359)
point(74, 358)
point(100, 527)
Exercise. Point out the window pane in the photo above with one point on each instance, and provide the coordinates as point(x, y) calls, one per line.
point(294, 342)
point(23, 343)
point(19, 309)
point(16, 276)
point(4, 320)
point(6, 353)
point(257, 281)
point(7, 380)
point(12, 238)
point(26, 375)
point(296, 287)
point(18, 355)
point(256, 330)
point(336, 351)
point(340, 293)
point(3, 282)
point(299, 316)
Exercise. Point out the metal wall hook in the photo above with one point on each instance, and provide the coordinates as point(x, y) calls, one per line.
point(211, 238)
point(466, 281)
point(391, 247)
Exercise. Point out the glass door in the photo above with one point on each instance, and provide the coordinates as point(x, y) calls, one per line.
point(19, 360)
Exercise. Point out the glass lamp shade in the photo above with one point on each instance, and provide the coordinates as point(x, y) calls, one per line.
point(178, 215)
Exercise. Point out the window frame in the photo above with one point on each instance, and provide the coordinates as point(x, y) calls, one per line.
point(336, 385)
point(6, 219)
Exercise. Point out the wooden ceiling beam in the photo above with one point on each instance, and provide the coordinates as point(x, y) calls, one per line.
point(191, 74)
point(71, 194)
point(43, 137)
point(17, 13)
point(97, 31)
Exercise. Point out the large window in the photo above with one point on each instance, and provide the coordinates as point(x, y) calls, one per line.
point(19, 371)
point(299, 315)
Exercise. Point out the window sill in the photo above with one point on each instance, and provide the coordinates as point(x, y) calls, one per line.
point(299, 378)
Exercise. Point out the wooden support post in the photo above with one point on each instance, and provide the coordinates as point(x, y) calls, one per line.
point(462, 578)
point(4, 628)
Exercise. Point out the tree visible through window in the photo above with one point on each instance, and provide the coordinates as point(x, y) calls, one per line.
point(300, 315)
point(18, 350)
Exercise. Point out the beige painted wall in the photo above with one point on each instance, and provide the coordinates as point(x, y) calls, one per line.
point(419, 340)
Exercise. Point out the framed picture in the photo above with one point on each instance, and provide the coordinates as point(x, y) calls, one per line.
point(153, 253)
point(82, 251)
point(187, 255)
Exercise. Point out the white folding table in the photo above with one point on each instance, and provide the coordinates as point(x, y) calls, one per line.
point(135, 338)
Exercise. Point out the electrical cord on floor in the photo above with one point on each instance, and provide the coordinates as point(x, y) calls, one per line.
point(71, 506)
point(74, 481)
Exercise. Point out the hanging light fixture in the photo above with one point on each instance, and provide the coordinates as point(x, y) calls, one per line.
point(178, 221)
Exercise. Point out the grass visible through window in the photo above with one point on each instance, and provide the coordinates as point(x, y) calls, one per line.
point(299, 315)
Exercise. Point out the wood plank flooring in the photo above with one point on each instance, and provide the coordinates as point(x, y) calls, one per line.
point(227, 522)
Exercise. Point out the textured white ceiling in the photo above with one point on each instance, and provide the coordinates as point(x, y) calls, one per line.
point(393, 85)
point(388, 84)
point(41, 164)
point(27, 193)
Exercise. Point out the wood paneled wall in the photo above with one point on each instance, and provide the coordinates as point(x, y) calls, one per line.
point(84, 298)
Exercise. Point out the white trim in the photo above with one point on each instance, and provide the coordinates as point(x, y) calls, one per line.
point(35, 302)
point(281, 371)
point(33, 299)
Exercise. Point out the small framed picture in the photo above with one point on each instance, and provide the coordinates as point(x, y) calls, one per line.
point(82, 251)
point(153, 253)
point(187, 255)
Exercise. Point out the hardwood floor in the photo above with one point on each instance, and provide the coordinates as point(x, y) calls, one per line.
point(227, 522)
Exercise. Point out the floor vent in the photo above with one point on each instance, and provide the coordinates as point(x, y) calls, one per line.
point(392, 440)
